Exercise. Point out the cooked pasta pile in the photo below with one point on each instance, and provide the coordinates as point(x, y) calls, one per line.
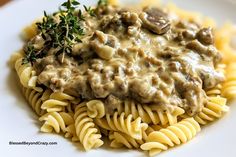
point(133, 125)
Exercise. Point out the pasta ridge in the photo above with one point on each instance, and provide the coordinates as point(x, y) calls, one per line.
point(119, 140)
point(26, 74)
point(229, 86)
point(56, 121)
point(176, 134)
point(212, 110)
point(130, 126)
point(151, 114)
point(96, 109)
point(56, 102)
point(71, 133)
point(34, 99)
point(85, 128)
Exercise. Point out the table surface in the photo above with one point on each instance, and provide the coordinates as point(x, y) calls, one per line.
point(2, 2)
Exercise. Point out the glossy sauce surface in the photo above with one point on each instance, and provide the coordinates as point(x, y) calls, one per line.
point(140, 54)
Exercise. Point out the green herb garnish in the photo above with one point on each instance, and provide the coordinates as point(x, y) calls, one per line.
point(90, 10)
point(102, 2)
point(60, 31)
point(30, 55)
point(60, 34)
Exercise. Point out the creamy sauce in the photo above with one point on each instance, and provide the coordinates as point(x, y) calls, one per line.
point(125, 56)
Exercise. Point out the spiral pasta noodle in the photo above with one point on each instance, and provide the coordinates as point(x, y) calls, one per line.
point(223, 37)
point(120, 123)
point(26, 74)
point(57, 102)
point(96, 109)
point(176, 134)
point(214, 91)
point(138, 110)
point(56, 121)
point(29, 31)
point(71, 107)
point(119, 140)
point(85, 128)
point(71, 133)
point(229, 86)
point(34, 99)
point(151, 113)
point(166, 116)
point(214, 109)
point(14, 57)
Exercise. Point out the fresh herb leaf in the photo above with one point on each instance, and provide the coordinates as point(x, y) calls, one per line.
point(30, 55)
point(75, 3)
point(81, 16)
point(90, 11)
point(102, 2)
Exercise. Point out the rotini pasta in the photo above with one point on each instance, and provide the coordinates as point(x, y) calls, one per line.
point(56, 121)
point(34, 98)
point(56, 102)
point(153, 127)
point(14, 57)
point(71, 133)
point(176, 134)
point(138, 110)
point(154, 114)
point(96, 109)
point(223, 38)
point(26, 75)
point(120, 123)
point(85, 128)
point(216, 91)
point(214, 109)
point(167, 116)
point(119, 140)
point(229, 86)
point(71, 107)
point(29, 32)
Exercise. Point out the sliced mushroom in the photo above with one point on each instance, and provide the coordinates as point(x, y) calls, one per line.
point(205, 36)
point(155, 20)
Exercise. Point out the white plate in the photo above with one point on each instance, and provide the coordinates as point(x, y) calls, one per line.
point(18, 122)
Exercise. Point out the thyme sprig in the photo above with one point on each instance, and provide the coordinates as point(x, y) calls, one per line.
point(60, 31)
point(90, 11)
point(60, 34)
point(102, 2)
point(30, 55)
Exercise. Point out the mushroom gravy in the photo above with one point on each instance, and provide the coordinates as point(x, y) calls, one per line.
point(140, 54)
